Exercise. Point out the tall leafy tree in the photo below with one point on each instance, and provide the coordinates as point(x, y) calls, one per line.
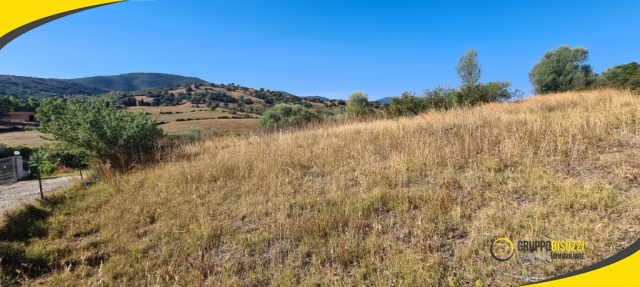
point(5, 106)
point(561, 70)
point(468, 68)
point(358, 104)
point(622, 76)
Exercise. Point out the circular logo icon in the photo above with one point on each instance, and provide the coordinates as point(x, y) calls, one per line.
point(502, 249)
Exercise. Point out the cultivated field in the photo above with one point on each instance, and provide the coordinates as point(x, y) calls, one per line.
point(22, 138)
point(411, 202)
point(221, 125)
point(220, 119)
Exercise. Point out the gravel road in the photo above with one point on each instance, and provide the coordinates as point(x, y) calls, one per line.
point(24, 191)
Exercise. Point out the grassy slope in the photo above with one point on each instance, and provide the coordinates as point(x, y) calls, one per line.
point(414, 202)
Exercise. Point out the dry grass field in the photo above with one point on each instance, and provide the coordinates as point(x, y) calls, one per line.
point(221, 125)
point(202, 118)
point(22, 138)
point(179, 112)
point(408, 202)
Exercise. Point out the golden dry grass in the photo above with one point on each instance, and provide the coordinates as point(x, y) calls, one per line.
point(412, 202)
point(203, 118)
point(179, 112)
point(221, 125)
point(22, 138)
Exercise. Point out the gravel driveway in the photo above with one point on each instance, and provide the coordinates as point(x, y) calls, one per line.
point(24, 191)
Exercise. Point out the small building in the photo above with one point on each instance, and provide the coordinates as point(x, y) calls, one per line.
point(20, 117)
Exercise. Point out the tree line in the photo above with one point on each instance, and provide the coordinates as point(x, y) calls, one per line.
point(560, 70)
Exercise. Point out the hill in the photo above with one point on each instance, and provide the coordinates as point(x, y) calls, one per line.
point(413, 201)
point(40, 87)
point(135, 81)
point(317, 98)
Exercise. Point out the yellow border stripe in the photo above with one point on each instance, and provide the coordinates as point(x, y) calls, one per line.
point(622, 269)
point(19, 16)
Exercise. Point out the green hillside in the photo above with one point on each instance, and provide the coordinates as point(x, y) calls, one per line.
point(135, 81)
point(39, 87)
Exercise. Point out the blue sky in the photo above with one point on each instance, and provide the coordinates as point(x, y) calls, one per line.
point(326, 48)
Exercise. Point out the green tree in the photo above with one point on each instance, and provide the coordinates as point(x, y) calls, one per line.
point(622, 76)
point(358, 104)
point(5, 106)
point(440, 98)
point(407, 104)
point(98, 129)
point(562, 70)
point(485, 93)
point(468, 69)
point(282, 115)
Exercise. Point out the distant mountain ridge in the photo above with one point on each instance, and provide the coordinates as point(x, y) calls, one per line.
point(136, 81)
point(21, 86)
point(39, 87)
point(319, 98)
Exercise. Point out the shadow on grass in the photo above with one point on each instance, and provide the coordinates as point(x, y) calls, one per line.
point(17, 229)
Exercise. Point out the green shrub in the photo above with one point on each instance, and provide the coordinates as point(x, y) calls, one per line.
point(61, 154)
point(358, 105)
point(621, 76)
point(406, 105)
point(48, 168)
point(282, 115)
point(99, 130)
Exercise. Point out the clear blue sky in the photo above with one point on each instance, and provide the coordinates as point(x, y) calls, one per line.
point(326, 48)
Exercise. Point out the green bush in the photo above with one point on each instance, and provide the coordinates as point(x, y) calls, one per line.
point(48, 168)
point(99, 130)
point(621, 76)
point(409, 104)
point(282, 115)
point(358, 105)
point(405, 105)
point(61, 154)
